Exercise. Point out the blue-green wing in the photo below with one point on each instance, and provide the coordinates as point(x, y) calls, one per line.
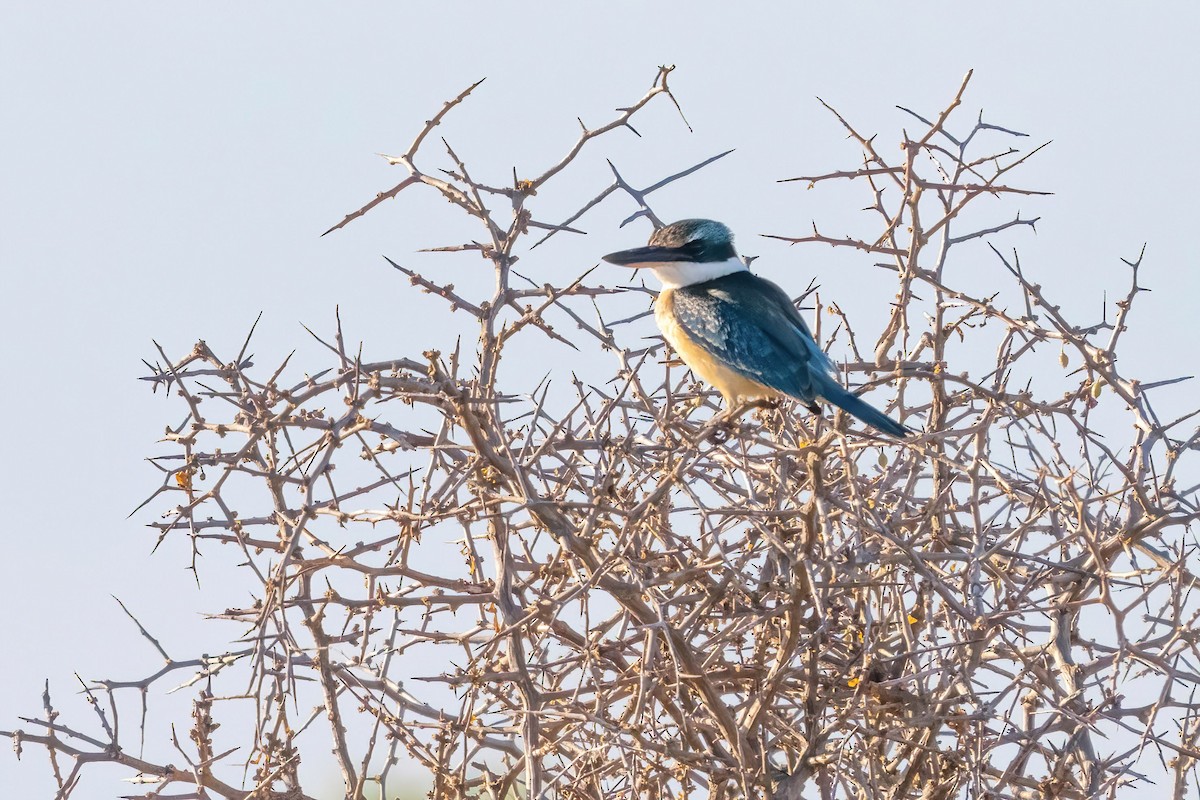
point(749, 325)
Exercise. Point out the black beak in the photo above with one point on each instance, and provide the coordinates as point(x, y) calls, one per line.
point(642, 256)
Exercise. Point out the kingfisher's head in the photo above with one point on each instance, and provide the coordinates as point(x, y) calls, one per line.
point(684, 252)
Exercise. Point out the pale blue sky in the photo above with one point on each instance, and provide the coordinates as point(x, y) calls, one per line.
point(167, 168)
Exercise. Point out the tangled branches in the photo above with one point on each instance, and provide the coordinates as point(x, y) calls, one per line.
point(579, 592)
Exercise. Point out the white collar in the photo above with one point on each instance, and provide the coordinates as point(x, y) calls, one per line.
point(685, 273)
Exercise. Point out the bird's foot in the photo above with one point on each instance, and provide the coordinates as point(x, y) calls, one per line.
point(722, 431)
point(768, 406)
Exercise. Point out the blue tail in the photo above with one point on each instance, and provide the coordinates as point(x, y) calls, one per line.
point(857, 408)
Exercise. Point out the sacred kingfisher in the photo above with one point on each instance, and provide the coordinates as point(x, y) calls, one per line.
point(737, 331)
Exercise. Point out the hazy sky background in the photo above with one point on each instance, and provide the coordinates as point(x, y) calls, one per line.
point(168, 168)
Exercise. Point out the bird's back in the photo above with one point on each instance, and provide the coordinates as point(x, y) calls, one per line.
point(733, 385)
point(742, 334)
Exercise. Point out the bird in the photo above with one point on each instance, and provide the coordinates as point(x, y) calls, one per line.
point(737, 331)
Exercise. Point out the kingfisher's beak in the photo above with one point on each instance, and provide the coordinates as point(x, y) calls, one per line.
point(649, 256)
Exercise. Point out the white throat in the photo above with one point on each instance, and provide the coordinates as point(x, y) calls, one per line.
point(685, 273)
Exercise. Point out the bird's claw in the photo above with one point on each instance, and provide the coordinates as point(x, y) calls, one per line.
point(722, 431)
